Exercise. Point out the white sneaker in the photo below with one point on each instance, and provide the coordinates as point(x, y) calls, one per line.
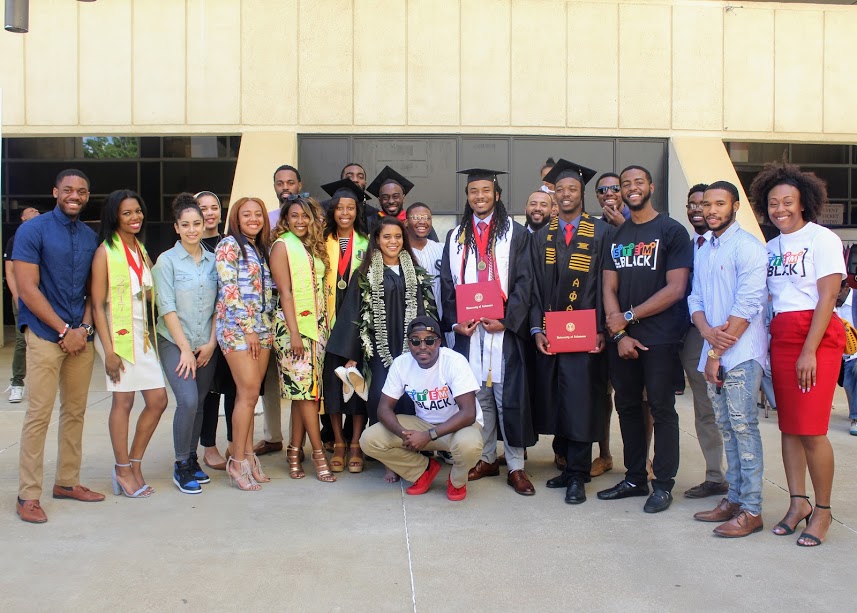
point(16, 393)
point(853, 429)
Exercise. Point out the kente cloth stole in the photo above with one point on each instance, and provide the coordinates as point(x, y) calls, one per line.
point(303, 266)
point(562, 279)
point(331, 276)
point(122, 300)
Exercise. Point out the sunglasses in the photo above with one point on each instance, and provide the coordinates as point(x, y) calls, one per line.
point(429, 342)
point(603, 189)
point(293, 197)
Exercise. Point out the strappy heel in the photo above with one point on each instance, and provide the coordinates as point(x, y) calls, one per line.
point(355, 465)
point(140, 461)
point(293, 455)
point(787, 529)
point(322, 470)
point(245, 481)
point(259, 474)
point(814, 541)
point(337, 461)
point(119, 489)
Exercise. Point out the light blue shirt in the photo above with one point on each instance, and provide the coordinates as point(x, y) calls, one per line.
point(189, 289)
point(729, 280)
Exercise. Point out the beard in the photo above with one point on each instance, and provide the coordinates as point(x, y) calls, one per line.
point(638, 207)
point(726, 223)
point(537, 226)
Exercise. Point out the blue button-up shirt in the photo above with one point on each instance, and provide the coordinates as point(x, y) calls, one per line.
point(188, 289)
point(63, 251)
point(729, 280)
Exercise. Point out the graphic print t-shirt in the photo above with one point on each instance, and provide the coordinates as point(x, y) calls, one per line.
point(434, 389)
point(642, 254)
point(796, 261)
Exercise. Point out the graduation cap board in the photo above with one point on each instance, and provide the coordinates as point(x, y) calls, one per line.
point(481, 174)
point(388, 175)
point(344, 188)
point(564, 169)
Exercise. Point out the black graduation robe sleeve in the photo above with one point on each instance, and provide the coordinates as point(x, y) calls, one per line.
point(517, 316)
point(447, 289)
point(537, 309)
point(344, 339)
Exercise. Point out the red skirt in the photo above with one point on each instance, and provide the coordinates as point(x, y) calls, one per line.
point(807, 413)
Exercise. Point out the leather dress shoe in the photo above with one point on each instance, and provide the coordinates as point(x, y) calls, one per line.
point(722, 512)
point(623, 489)
point(31, 511)
point(78, 492)
point(706, 489)
point(559, 461)
point(742, 524)
point(484, 469)
point(561, 480)
point(660, 500)
point(263, 447)
point(520, 482)
point(600, 466)
point(576, 492)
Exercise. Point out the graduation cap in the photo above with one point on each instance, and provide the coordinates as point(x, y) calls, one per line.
point(564, 169)
point(481, 174)
point(388, 175)
point(345, 188)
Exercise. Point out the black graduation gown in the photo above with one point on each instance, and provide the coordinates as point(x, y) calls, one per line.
point(569, 399)
point(517, 410)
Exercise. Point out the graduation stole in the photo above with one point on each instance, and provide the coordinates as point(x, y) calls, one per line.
point(359, 245)
point(569, 277)
point(401, 216)
point(122, 300)
point(303, 266)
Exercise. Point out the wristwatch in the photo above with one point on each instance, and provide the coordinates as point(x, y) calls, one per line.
point(713, 355)
point(630, 317)
point(433, 434)
point(89, 329)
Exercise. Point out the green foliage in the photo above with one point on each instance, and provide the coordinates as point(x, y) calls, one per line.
point(110, 147)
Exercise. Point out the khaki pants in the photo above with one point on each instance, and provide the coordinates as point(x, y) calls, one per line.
point(465, 445)
point(49, 368)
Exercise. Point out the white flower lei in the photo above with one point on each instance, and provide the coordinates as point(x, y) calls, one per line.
point(379, 310)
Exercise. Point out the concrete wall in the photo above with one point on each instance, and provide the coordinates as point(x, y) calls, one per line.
point(613, 67)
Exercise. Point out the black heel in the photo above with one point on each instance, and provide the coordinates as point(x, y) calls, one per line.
point(814, 541)
point(787, 529)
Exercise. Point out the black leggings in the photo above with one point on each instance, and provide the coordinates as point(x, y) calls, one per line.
point(208, 436)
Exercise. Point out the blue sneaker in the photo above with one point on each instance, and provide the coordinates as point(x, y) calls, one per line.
point(184, 480)
point(200, 476)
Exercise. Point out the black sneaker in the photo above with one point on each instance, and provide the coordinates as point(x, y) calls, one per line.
point(200, 476)
point(184, 479)
point(446, 456)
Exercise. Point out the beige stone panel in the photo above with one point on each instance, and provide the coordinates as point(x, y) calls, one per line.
point(259, 153)
point(486, 50)
point(697, 65)
point(538, 63)
point(12, 79)
point(269, 62)
point(433, 63)
point(748, 70)
point(325, 54)
point(105, 63)
point(798, 71)
point(645, 73)
point(840, 85)
point(50, 63)
point(593, 65)
point(380, 62)
point(159, 62)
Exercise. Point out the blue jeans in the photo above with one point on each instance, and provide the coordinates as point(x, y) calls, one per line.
point(737, 417)
point(850, 385)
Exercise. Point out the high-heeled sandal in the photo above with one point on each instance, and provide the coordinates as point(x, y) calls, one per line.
point(814, 541)
point(293, 455)
point(258, 474)
point(355, 465)
point(140, 461)
point(337, 461)
point(787, 529)
point(119, 489)
point(245, 481)
point(322, 470)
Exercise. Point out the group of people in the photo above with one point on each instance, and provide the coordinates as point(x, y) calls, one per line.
point(359, 315)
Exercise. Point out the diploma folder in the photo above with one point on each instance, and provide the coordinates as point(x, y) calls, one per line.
point(475, 300)
point(571, 331)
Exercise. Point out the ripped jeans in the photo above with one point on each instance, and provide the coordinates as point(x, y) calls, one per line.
point(737, 417)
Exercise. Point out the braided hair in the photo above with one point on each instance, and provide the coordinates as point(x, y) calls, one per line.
point(498, 229)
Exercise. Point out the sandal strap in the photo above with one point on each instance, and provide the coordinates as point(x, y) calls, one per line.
point(123, 465)
point(133, 460)
point(799, 496)
point(821, 506)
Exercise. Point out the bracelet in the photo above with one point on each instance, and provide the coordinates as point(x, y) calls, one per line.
point(618, 336)
point(64, 332)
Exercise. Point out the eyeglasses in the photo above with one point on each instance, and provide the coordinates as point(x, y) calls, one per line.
point(694, 205)
point(293, 197)
point(603, 189)
point(419, 218)
point(429, 342)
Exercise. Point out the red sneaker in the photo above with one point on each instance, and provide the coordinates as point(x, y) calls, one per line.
point(455, 493)
point(422, 484)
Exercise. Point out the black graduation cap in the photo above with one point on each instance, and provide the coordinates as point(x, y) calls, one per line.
point(480, 174)
point(564, 169)
point(345, 188)
point(388, 175)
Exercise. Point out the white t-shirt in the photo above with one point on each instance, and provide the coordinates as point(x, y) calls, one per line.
point(795, 263)
point(429, 257)
point(434, 389)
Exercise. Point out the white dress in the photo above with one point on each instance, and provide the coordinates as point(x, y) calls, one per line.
point(145, 373)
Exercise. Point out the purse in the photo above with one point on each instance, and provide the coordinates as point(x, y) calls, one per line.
point(850, 337)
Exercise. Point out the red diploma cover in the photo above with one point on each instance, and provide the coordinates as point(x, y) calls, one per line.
point(571, 331)
point(475, 300)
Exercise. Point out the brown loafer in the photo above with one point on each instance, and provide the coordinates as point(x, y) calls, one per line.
point(31, 511)
point(559, 461)
point(518, 479)
point(263, 447)
point(722, 512)
point(484, 469)
point(742, 524)
point(78, 492)
point(600, 466)
point(706, 489)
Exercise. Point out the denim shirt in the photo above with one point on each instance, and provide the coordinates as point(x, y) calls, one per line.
point(189, 289)
point(63, 250)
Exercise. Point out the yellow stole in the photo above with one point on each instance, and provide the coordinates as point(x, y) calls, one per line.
point(304, 293)
point(358, 252)
point(122, 300)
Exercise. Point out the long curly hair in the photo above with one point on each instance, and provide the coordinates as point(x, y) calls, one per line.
point(373, 242)
point(313, 240)
point(330, 219)
point(813, 191)
point(498, 229)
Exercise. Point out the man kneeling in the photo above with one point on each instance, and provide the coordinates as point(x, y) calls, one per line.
point(448, 417)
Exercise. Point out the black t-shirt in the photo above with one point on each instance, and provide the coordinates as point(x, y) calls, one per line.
point(642, 254)
point(210, 243)
point(10, 244)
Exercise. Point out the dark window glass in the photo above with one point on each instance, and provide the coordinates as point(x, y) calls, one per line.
point(196, 147)
point(195, 176)
point(819, 154)
point(757, 153)
point(836, 178)
point(66, 148)
point(150, 147)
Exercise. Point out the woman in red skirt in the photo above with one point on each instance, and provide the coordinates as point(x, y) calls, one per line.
point(805, 270)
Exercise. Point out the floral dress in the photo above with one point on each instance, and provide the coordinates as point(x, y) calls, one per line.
point(244, 298)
